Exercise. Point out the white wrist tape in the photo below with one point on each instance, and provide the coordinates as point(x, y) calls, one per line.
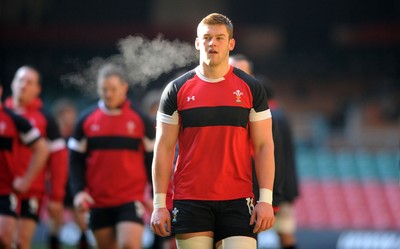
point(265, 195)
point(159, 200)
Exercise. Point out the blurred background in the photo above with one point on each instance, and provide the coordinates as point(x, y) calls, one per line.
point(334, 67)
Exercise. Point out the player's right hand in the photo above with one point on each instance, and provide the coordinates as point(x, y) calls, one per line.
point(21, 185)
point(161, 222)
point(82, 201)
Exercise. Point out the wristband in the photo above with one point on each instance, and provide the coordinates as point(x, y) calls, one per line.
point(159, 200)
point(265, 195)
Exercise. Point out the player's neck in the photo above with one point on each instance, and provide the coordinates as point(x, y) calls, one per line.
point(18, 103)
point(214, 72)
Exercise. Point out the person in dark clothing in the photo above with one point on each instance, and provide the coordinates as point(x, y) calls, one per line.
point(286, 183)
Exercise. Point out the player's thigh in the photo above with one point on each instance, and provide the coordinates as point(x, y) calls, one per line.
point(234, 219)
point(30, 208)
point(8, 226)
point(105, 238)
point(8, 205)
point(101, 218)
point(25, 231)
point(237, 242)
point(129, 218)
point(195, 241)
point(8, 222)
point(129, 235)
point(191, 216)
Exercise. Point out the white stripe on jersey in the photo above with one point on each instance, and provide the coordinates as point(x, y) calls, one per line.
point(257, 116)
point(78, 146)
point(30, 136)
point(164, 118)
point(56, 145)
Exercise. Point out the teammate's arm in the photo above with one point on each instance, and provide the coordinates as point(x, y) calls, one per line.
point(31, 137)
point(164, 152)
point(57, 162)
point(40, 154)
point(261, 135)
point(77, 145)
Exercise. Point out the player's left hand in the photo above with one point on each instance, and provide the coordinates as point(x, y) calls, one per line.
point(263, 217)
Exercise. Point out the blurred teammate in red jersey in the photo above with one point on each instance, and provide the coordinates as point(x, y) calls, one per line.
point(15, 130)
point(66, 114)
point(215, 112)
point(25, 101)
point(108, 172)
point(286, 184)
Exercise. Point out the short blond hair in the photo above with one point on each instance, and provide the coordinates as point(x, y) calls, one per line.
point(215, 19)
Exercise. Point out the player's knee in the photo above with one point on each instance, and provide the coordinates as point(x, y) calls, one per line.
point(198, 242)
point(238, 242)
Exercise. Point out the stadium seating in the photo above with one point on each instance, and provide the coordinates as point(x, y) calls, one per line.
point(348, 190)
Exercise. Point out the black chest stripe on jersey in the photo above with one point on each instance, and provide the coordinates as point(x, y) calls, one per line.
point(6, 143)
point(215, 116)
point(113, 143)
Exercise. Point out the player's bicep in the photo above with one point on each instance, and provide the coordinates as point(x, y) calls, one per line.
point(261, 133)
point(167, 135)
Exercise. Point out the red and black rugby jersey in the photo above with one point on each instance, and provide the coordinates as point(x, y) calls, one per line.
point(214, 161)
point(56, 165)
point(107, 154)
point(13, 130)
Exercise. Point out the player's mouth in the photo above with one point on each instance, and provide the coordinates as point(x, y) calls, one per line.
point(212, 51)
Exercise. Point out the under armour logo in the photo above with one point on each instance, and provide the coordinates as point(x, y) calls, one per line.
point(190, 98)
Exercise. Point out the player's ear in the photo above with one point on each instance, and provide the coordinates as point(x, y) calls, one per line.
point(125, 86)
point(232, 43)
point(197, 44)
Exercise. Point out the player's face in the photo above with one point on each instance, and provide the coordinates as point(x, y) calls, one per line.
point(112, 91)
point(214, 44)
point(66, 121)
point(25, 86)
point(241, 64)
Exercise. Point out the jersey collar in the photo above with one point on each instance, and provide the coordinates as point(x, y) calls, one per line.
point(204, 78)
point(116, 111)
point(36, 104)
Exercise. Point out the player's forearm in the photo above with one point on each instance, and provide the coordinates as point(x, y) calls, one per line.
point(37, 161)
point(265, 165)
point(164, 153)
point(162, 169)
